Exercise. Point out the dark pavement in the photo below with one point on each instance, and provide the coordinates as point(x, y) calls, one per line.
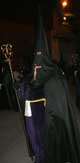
point(13, 148)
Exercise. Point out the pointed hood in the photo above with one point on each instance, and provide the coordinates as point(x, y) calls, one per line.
point(41, 41)
point(42, 64)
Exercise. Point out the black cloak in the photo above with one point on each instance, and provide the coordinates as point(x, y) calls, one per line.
point(61, 132)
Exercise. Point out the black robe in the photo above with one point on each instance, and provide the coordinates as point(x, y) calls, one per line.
point(61, 136)
point(61, 132)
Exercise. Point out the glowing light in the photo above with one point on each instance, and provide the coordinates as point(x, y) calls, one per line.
point(64, 4)
point(64, 18)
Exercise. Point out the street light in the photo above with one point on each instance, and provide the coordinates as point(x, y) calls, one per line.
point(64, 18)
point(64, 3)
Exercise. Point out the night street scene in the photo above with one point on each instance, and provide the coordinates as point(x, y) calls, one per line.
point(40, 81)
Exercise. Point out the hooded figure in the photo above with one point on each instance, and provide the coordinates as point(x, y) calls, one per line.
point(61, 133)
point(34, 105)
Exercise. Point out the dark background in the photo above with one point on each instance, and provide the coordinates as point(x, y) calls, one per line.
point(18, 19)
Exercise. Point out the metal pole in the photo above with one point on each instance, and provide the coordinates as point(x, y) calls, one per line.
point(6, 50)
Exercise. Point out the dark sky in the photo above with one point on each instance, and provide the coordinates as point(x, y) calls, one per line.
point(25, 10)
point(15, 9)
